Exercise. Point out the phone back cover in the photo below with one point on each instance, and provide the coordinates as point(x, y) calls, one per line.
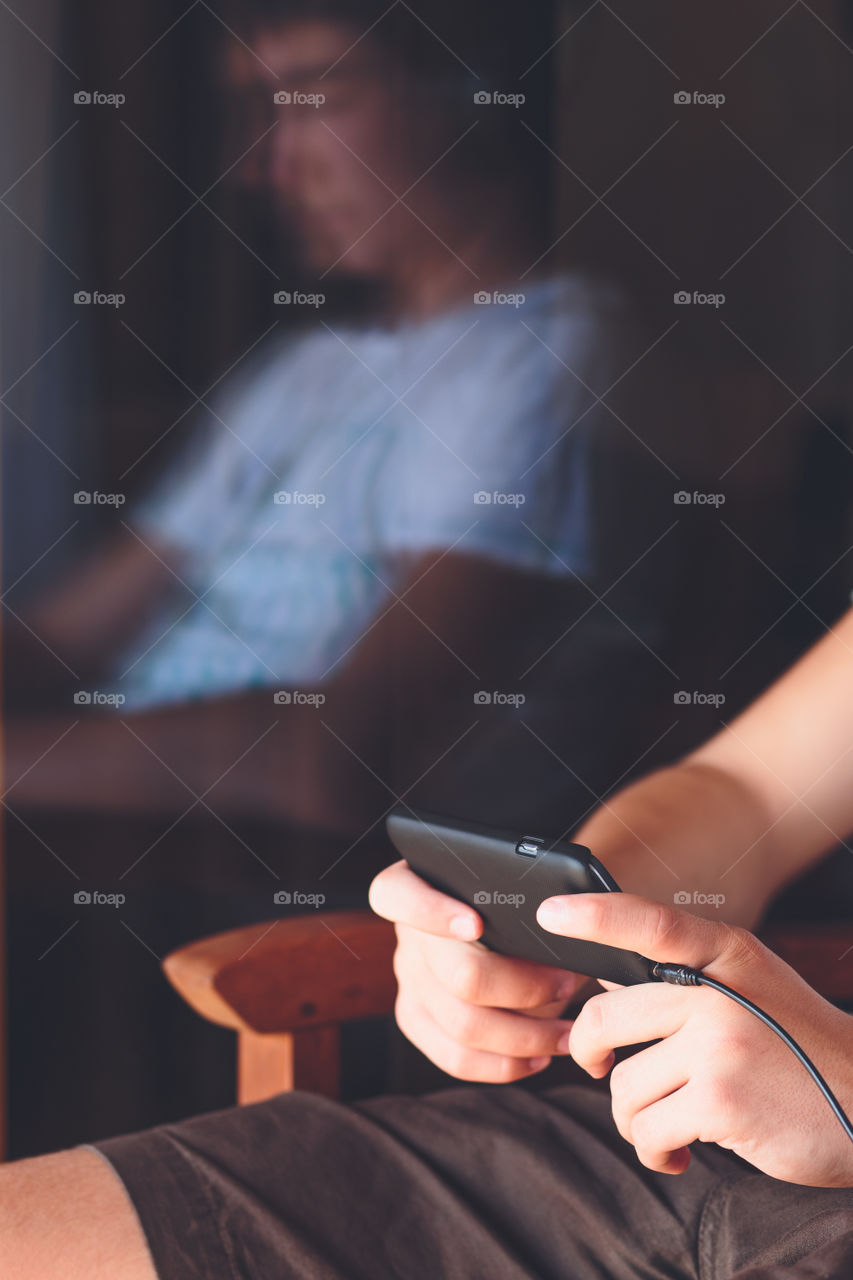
point(482, 868)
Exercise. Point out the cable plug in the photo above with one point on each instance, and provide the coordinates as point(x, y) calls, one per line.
point(679, 975)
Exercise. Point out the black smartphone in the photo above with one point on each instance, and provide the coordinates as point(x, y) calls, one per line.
point(504, 877)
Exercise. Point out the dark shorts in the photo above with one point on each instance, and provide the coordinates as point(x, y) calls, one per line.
point(473, 1183)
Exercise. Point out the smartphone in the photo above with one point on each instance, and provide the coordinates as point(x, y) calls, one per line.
point(504, 877)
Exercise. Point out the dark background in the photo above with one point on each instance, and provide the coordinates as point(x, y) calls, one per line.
point(752, 200)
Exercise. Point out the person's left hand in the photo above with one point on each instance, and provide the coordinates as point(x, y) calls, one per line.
point(716, 1073)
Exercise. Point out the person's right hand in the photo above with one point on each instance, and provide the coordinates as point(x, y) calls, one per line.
point(476, 1014)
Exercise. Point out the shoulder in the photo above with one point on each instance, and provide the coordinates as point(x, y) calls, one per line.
point(277, 360)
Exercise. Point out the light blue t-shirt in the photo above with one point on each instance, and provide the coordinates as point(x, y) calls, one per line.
point(346, 450)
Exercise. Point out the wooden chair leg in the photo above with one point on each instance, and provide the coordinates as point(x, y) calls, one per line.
point(278, 1063)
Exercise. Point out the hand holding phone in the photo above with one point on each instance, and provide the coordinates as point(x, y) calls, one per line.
point(504, 877)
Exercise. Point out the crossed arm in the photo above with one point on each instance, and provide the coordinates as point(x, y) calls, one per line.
point(329, 768)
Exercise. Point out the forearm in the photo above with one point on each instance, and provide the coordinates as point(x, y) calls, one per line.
point(86, 617)
point(149, 762)
point(693, 829)
point(35, 674)
point(793, 749)
point(240, 756)
point(751, 809)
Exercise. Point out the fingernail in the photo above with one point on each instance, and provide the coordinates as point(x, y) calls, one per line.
point(549, 915)
point(567, 988)
point(463, 927)
point(536, 1064)
point(563, 1043)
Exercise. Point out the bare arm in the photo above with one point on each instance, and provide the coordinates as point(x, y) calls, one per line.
point(794, 749)
point(327, 766)
point(71, 632)
point(752, 808)
point(726, 821)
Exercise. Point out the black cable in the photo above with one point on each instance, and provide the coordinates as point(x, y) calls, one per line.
point(683, 976)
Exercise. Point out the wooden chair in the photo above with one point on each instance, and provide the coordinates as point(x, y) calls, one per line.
point(287, 987)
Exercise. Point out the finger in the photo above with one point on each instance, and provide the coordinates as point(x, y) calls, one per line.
point(662, 1133)
point(645, 1078)
point(656, 930)
point(483, 977)
point(398, 894)
point(628, 1015)
point(498, 1031)
point(418, 1025)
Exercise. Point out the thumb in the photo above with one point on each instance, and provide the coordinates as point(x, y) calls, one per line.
point(658, 931)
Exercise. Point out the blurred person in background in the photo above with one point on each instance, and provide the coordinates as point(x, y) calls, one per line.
point(355, 484)
point(377, 521)
point(378, 581)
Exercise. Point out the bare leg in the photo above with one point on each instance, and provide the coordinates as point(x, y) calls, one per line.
point(68, 1217)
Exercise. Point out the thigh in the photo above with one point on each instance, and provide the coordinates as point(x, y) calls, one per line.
point(757, 1228)
point(475, 1183)
point(68, 1217)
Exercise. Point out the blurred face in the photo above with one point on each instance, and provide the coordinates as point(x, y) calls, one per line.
point(346, 144)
